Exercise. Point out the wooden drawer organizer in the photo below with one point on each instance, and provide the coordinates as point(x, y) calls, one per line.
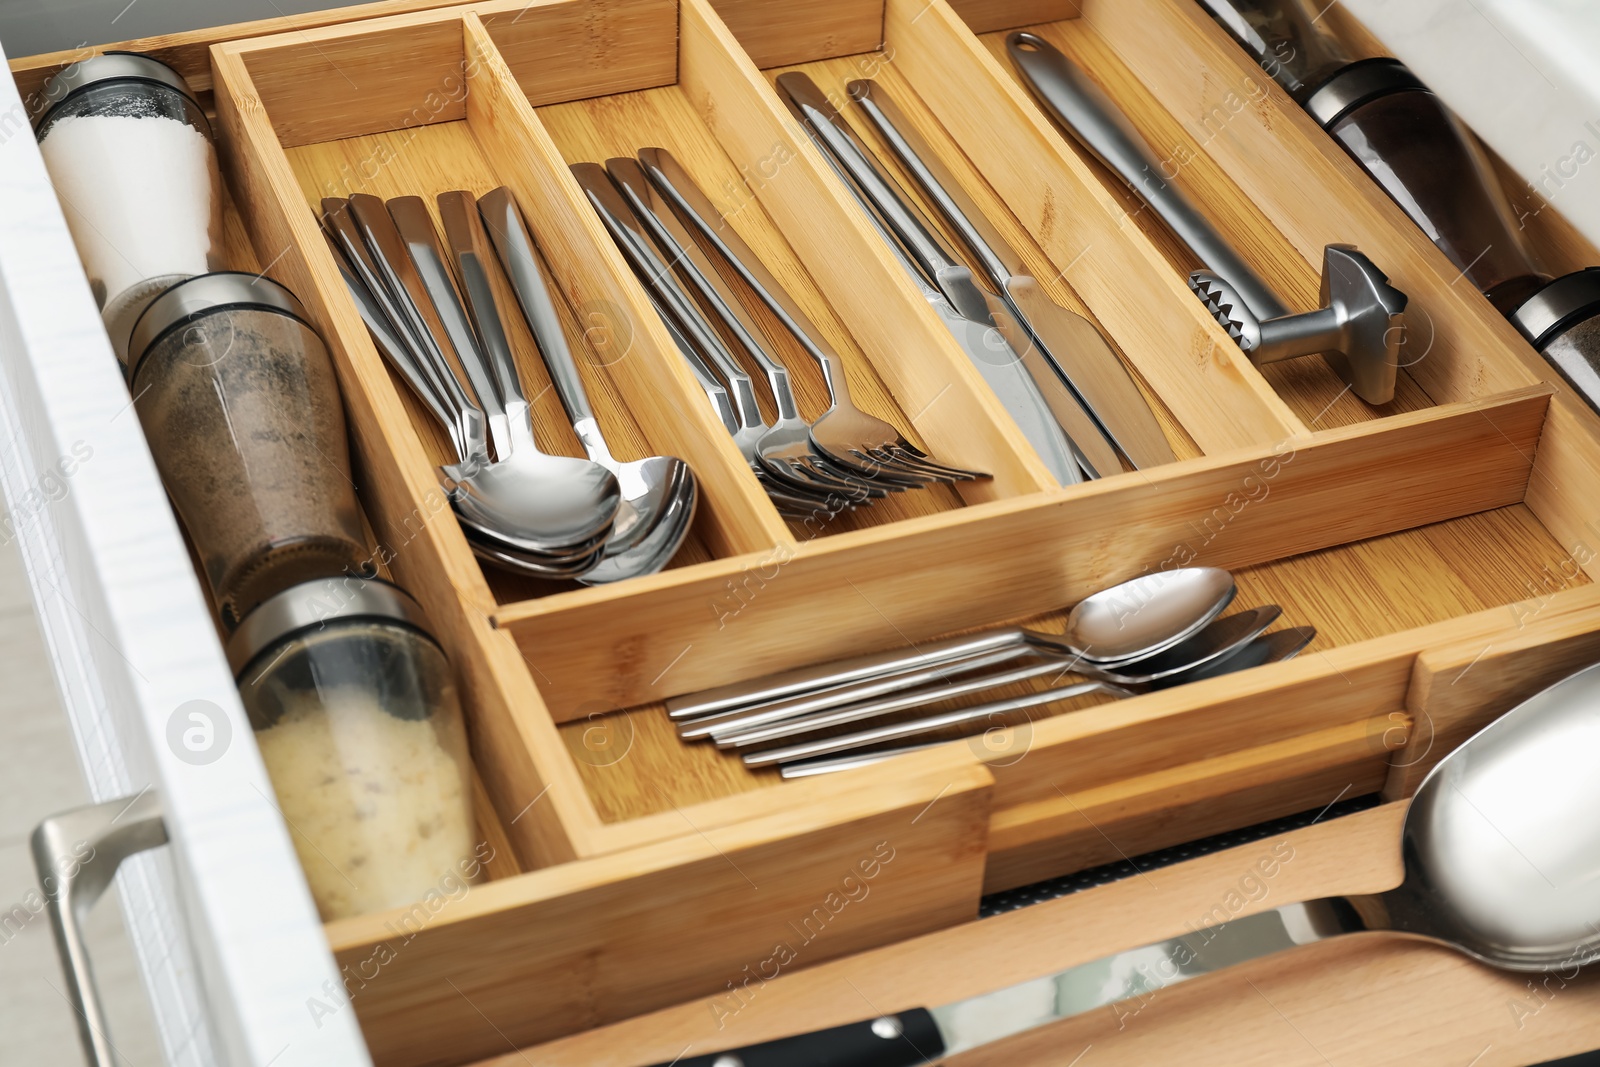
point(1446, 536)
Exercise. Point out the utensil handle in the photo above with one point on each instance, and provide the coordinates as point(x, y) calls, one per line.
point(727, 725)
point(823, 119)
point(520, 259)
point(997, 258)
point(905, 1040)
point(411, 219)
point(683, 194)
point(467, 422)
point(912, 727)
point(469, 245)
point(758, 691)
point(1100, 126)
point(721, 403)
point(625, 228)
point(396, 353)
point(111, 832)
point(681, 249)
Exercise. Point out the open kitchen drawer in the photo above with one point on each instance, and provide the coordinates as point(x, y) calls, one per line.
point(1440, 545)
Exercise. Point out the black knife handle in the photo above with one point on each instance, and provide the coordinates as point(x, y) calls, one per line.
point(905, 1040)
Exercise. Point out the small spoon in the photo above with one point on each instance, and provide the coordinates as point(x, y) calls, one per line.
point(1219, 640)
point(1128, 621)
point(1501, 856)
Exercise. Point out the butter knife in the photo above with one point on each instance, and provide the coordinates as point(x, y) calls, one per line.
point(970, 321)
point(1070, 343)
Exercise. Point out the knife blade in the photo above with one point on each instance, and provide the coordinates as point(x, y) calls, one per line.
point(960, 303)
point(1070, 344)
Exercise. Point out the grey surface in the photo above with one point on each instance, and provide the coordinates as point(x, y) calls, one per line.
point(39, 775)
point(31, 26)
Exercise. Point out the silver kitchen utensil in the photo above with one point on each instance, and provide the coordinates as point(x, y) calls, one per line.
point(1218, 641)
point(1500, 852)
point(1128, 621)
point(1360, 325)
point(654, 266)
point(468, 426)
point(785, 450)
point(1112, 411)
point(1271, 648)
point(659, 494)
point(428, 262)
point(485, 501)
point(1004, 369)
point(851, 439)
point(537, 504)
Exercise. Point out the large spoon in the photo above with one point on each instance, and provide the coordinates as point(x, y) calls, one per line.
point(660, 492)
point(1501, 852)
point(1128, 621)
point(537, 503)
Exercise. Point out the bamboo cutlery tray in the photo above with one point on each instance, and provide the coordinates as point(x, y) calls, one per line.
point(1440, 544)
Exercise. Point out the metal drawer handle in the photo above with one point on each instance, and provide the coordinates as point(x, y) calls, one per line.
point(112, 832)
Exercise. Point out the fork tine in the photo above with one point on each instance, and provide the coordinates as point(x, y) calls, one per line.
point(945, 471)
point(903, 467)
point(882, 470)
point(802, 477)
point(866, 469)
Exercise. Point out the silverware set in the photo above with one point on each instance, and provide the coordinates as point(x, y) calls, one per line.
point(1055, 374)
point(670, 234)
point(1152, 632)
point(592, 519)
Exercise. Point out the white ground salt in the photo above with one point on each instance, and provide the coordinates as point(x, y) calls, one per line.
point(138, 196)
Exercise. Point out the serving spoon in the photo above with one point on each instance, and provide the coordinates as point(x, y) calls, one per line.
point(1501, 854)
point(536, 503)
point(1127, 621)
point(659, 494)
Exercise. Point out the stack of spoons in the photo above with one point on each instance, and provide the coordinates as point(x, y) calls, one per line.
point(1156, 631)
point(552, 516)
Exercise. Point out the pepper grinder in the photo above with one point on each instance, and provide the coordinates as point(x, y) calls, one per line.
point(238, 400)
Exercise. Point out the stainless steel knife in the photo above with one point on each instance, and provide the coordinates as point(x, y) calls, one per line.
point(1070, 343)
point(1030, 398)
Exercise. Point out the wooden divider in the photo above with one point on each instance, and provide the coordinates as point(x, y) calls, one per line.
point(680, 631)
point(900, 333)
point(775, 32)
point(514, 743)
point(1458, 688)
point(659, 388)
point(189, 51)
point(551, 952)
point(1216, 393)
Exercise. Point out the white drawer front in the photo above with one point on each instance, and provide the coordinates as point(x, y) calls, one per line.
point(229, 939)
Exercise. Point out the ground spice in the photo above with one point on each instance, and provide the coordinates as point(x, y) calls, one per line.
point(243, 416)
